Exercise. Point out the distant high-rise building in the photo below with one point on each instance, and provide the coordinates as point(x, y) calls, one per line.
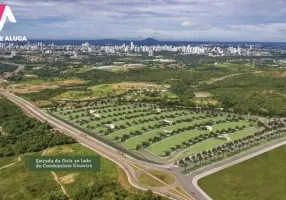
point(151, 53)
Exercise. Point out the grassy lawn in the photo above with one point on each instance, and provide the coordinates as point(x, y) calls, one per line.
point(140, 126)
point(260, 178)
point(163, 176)
point(133, 142)
point(241, 134)
point(164, 145)
point(145, 179)
point(128, 123)
point(213, 142)
point(230, 125)
point(204, 145)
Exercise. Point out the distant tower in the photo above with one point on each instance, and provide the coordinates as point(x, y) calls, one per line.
point(151, 53)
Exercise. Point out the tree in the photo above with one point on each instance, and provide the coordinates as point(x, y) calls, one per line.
point(138, 147)
point(167, 153)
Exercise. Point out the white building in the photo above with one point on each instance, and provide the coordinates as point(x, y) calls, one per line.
point(97, 115)
point(167, 121)
point(111, 126)
point(168, 132)
point(209, 128)
point(92, 111)
point(224, 137)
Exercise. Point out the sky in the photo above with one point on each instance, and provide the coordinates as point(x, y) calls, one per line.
point(184, 20)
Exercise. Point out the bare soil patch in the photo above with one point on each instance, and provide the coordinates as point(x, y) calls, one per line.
point(213, 102)
point(202, 94)
point(26, 87)
point(129, 85)
point(60, 149)
point(70, 178)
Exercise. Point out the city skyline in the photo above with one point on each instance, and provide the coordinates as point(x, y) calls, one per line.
point(181, 20)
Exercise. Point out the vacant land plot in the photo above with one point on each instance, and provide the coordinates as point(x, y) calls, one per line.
point(202, 94)
point(39, 84)
point(137, 85)
point(158, 130)
point(260, 178)
point(93, 92)
point(108, 90)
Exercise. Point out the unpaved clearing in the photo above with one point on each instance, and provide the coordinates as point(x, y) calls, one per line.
point(222, 78)
point(281, 74)
point(62, 187)
point(202, 94)
point(31, 76)
point(26, 87)
point(60, 149)
point(136, 85)
point(70, 178)
point(213, 102)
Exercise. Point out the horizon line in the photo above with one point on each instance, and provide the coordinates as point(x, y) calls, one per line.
point(159, 40)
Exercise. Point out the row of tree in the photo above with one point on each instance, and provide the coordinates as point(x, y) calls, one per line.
point(228, 149)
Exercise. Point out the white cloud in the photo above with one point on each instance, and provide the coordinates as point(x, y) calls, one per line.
point(176, 19)
point(187, 23)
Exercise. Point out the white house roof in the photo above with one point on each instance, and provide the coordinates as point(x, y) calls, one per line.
point(167, 121)
point(111, 126)
point(167, 131)
point(92, 111)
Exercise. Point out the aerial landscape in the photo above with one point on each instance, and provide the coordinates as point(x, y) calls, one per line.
point(142, 100)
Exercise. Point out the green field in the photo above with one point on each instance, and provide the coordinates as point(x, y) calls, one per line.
point(141, 126)
point(161, 147)
point(16, 182)
point(98, 91)
point(260, 178)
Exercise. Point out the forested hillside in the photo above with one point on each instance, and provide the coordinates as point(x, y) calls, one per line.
point(21, 134)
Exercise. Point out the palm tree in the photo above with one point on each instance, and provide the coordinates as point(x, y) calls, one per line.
point(187, 159)
point(193, 160)
point(200, 158)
